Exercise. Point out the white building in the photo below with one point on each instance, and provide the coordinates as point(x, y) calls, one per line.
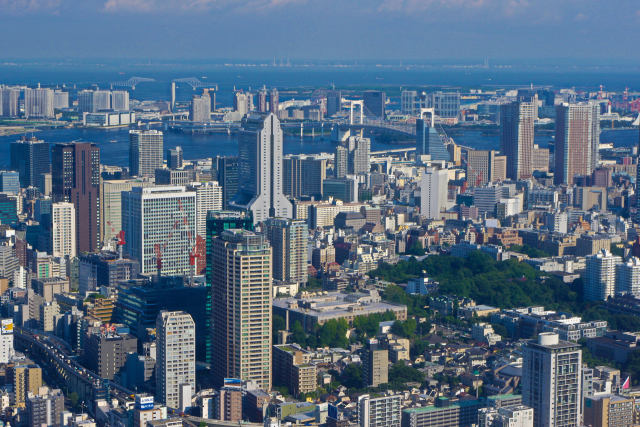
point(159, 219)
point(38, 103)
point(486, 198)
point(433, 192)
point(111, 205)
point(60, 99)
point(6, 340)
point(63, 229)
point(260, 168)
point(208, 198)
point(600, 276)
point(175, 356)
point(510, 416)
point(120, 100)
point(382, 411)
point(552, 381)
point(145, 152)
point(628, 277)
point(483, 332)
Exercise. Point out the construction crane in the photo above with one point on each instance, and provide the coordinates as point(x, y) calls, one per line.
point(121, 242)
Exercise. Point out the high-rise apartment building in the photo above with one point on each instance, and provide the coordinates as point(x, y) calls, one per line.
point(227, 172)
point(303, 176)
point(77, 180)
point(175, 357)
point(145, 152)
point(63, 229)
point(45, 409)
point(628, 277)
point(175, 158)
point(243, 102)
point(60, 99)
point(428, 139)
point(263, 105)
point(241, 295)
point(375, 364)
point(352, 157)
point(485, 166)
point(159, 220)
point(383, 411)
point(517, 120)
point(200, 109)
point(445, 104)
point(120, 100)
point(9, 101)
point(374, 103)
point(433, 192)
point(92, 101)
point(38, 103)
point(577, 139)
point(408, 102)
point(208, 198)
point(552, 381)
point(6, 340)
point(274, 101)
point(30, 157)
point(600, 276)
point(260, 166)
point(289, 241)
point(609, 410)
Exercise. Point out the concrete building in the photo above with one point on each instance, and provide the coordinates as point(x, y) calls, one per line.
point(485, 166)
point(93, 101)
point(428, 139)
point(433, 192)
point(260, 165)
point(208, 198)
point(145, 152)
point(120, 100)
point(77, 180)
point(243, 103)
point(175, 357)
point(517, 121)
point(159, 220)
point(111, 207)
point(291, 368)
point(45, 409)
point(552, 381)
point(241, 320)
point(228, 401)
point(38, 103)
point(334, 102)
point(486, 199)
point(6, 340)
point(9, 182)
point(289, 244)
point(303, 176)
point(577, 140)
point(628, 277)
point(200, 108)
point(352, 157)
point(509, 416)
point(63, 229)
point(375, 364)
point(106, 352)
point(443, 414)
point(174, 176)
point(446, 105)
point(9, 101)
point(374, 103)
point(609, 411)
point(175, 158)
point(600, 276)
point(384, 411)
point(26, 379)
point(343, 189)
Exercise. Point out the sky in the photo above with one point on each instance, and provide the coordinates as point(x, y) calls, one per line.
point(602, 31)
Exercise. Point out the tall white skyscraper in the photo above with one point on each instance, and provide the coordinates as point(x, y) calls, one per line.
point(145, 152)
point(9, 97)
point(111, 204)
point(38, 103)
point(120, 100)
point(628, 277)
point(433, 192)
point(241, 296)
point(260, 168)
point(208, 198)
point(517, 120)
point(175, 357)
point(63, 229)
point(289, 240)
point(243, 102)
point(552, 381)
point(159, 219)
point(600, 276)
point(353, 157)
point(200, 110)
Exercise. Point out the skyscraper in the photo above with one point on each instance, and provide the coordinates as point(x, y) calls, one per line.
point(9, 97)
point(353, 157)
point(445, 104)
point(120, 100)
point(175, 357)
point(160, 219)
point(600, 276)
point(289, 241)
point(408, 101)
point(428, 139)
point(227, 171)
point(628, 277)
point(30, 157)
point(145, 152)
point(274, 101)
point(303, 176)
point(334, 102)
point(9, 182)
point(577, 139)
point(77, 180)
point(38, 103)
point(260, 166)
point(263, 106)
point(374, 103)
point(111, 205)
point(200, 109)
point(174, 158)
point(243, 102)
point(92, 101)
point(208, 198)
point(241, 286)
point(485, 166)
point(552, 381)
point(517, 119)
point(375, 364)
point(63, 229)
point(433, 192)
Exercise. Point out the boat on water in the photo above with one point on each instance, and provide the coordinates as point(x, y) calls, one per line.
point(113, 141)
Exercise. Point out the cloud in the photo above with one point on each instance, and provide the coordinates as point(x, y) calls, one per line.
point(151, 6)
point(29, 6)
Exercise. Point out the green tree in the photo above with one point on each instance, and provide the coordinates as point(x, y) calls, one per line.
point(352, 376)
point(405, 329)
point(74, 399)
point(298, 335)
